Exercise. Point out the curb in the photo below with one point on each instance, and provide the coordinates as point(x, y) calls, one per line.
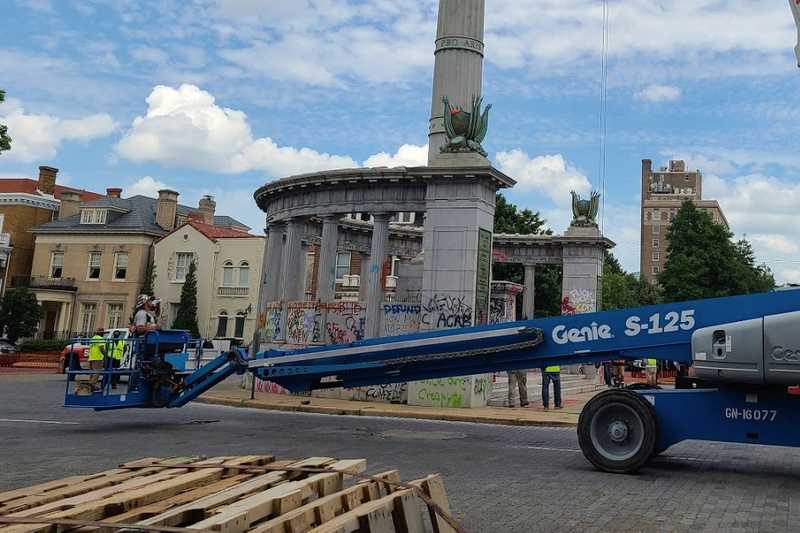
point(376, 411)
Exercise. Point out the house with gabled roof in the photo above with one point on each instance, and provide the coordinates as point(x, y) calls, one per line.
point(89, 264)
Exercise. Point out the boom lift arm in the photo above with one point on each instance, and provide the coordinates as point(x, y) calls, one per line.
point(745, 349)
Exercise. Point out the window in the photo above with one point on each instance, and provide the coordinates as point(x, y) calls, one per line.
point(238, 326)
point(182, 261)
point(244, 273)
point(404, 217)
point(656, 229)
point(656, 269)
point(94, 265)
point(57, 265)
point(93, 216)
point(88, 313)
point(656, 256)
point(114, 316)
point(655, 243)
point(120, 265)
point(227, 274)
point(649, 215)
point(222, 324)
point(395, 265)
point(342, 265)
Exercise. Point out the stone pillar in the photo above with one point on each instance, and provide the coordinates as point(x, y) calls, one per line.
point(380, 237)
point(292, 267)
point(528, 296)
point(326, 275)
point(273, 263)
point(458, 67)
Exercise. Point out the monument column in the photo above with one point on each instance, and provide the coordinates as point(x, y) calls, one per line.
point(292, 269)
point(528, 296)
point(273, 260)
point(380, 237)
point(326, 275)
point(458, 67)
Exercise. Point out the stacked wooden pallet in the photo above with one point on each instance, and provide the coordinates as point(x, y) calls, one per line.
point(254, 493)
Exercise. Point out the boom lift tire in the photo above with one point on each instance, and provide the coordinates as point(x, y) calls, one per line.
point(617, 431)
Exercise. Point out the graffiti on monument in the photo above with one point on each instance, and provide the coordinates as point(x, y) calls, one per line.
point(388, 392)
point(453, 391)
point(400, 318)
point(578, 301)
point(445, 311)
point(302, 323)
point(270, 387)
point(272, 322)
point(483, 276)
point(502, 309)
point(344, 321)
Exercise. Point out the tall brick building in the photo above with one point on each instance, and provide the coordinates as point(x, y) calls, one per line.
point(24, 204)
point(663, 193)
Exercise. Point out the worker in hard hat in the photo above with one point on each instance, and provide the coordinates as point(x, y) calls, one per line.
point(652, 372)
point(552, 374)
point(97, 353)
point(117, 351)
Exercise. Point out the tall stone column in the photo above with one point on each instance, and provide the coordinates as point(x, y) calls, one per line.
point(380, 237)
point(528, 296)
point(273, 263)
point(292, 268)
point(326, 275)
point(458, 67)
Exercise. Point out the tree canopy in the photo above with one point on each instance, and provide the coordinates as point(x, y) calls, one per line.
point(187, 309)
point(704, 261)
point(5, 140)
point(19, 314)
point(622, 289)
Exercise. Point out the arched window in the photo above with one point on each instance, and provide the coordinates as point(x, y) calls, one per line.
point(244, 273)
point(227, 274)
point(238, 325)
point(222, 325)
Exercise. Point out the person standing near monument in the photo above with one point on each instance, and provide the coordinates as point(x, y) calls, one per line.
point(551, 373)
point(518, 379)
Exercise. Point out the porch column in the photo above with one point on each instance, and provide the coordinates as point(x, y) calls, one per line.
point(380, 237)
point(528, 296)
point(292, 269)
point(326, 274)
point(273, 262)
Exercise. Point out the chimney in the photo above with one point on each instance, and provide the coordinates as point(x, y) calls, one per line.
point(70, 204)
point(207, 207)
point(166, 209)
point(47, 179)
point(647, 172)
point(114, 192)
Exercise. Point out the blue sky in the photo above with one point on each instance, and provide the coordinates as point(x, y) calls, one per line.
point(219, 96)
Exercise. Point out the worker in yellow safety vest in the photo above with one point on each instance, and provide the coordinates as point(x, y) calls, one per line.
point(652, 372)
point(117, 351)
point(551, 373)
point(97, 352)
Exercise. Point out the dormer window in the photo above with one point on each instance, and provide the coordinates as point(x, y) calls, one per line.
point(93, 216)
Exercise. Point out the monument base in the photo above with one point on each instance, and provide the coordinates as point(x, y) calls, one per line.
point(459, 160)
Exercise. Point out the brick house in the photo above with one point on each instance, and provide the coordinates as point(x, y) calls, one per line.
point(24, 204)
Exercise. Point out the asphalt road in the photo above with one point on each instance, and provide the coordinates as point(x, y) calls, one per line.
point(499, 479)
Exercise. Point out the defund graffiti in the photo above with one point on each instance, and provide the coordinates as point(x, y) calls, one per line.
point(272, 322)
point(578, 301)
point(302, 323)
point(344, 321)
point(399, 318)
point(444, 311)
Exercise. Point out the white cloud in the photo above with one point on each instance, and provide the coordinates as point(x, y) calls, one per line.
point(185, 127)
point(789, 275)
point(146, 186)
point(778, 243)
point(39, 136)
point(408, 155)
point(547, 174)
point(659, 93)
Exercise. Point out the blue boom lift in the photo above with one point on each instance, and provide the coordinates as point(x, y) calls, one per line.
point(745, 351)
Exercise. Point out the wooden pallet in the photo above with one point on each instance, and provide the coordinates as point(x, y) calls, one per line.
point(229, 494)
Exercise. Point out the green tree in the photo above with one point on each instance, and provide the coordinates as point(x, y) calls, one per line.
point(5, 140)
point(149, 278)
point(508, 219)
point(19, 314)
point(704, 262)
point(187, 309)
point(622, 290)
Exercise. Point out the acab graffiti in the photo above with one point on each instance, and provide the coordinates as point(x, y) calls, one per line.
point(444, 311)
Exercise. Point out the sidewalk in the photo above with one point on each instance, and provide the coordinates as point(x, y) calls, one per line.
point(229, 393)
